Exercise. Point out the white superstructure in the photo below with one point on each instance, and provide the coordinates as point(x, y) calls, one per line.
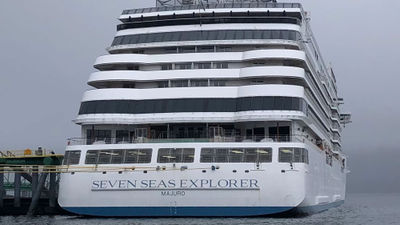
point(208, 108)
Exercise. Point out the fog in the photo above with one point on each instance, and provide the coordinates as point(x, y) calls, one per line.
point(47, 49)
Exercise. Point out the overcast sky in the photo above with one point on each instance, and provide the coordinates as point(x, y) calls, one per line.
point(47, 49)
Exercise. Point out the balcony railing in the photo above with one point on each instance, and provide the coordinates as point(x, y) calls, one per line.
point(173, 7)
point(216, 139)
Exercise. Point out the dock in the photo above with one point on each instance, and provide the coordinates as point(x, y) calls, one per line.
point(29, 182)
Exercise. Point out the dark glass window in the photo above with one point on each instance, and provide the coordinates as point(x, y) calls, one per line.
point(92, 157)
point(293, 155)
point(166, 67)
point(199, 83)
point(205, 49)
point(276, 34)
point(133, 156)
point(221, 65)
point(187, 49)
point(217, 83)
point(189, 105)
point(257, 34)
point(183, 66)
point(117, 156)
point(100, 136)
point(202, 65)
point(236, 155)
point(221, 155)
point(72, 157)
point(285, 154)
point(179, 83)
point(175, 155)
point(104, 157)
point(163, 84)
point(206, 35)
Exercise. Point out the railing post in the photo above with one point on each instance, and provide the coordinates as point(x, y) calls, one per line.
point(17, 189)
point(2, 189)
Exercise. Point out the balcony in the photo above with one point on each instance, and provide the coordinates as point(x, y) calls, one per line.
point(215, 139)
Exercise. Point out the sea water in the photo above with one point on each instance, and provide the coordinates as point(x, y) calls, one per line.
point(362, 209)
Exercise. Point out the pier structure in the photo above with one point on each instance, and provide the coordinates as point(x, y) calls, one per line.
point(28, 182)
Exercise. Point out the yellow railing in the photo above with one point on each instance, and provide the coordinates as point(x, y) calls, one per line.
point(88, 169)
point(26, 153)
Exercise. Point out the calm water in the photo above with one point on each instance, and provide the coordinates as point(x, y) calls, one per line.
point(363, 209)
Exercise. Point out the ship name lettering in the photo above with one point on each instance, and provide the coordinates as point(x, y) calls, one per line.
point(182, 183)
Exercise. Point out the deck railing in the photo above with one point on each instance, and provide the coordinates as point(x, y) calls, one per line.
point(212, 6)
point(26, 153)
point(215, 139)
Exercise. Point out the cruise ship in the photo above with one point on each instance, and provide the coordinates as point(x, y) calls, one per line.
point(218, 108)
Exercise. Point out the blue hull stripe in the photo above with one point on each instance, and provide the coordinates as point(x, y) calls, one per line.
point(176, 212)
point(196, 211)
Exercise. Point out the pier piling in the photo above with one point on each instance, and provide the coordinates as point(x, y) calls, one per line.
point(35, 177)
point(28, 182)
point(17, 190)
point(52, 190)
point(2, 190)
point(36, 195)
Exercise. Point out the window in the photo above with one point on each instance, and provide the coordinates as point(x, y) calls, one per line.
point(99, 136)
point(293, 155)
point(199, 83)
point(224, 49)
point(202, 65)
point(104, 157)
point(163, 84)
point(91, 157)
point(118, 156)
point(122, 136)
point(205, 49)
point(175, 155)
point(166, 67)
point(207, 155)
point(217, 83)
point(236, 155)
point(170, 50)
point(188, 104)
point(205, 35)
point(179, 83)
point(221, 65)
point(138, 156)
point(183, 66)
point(72, 157)
point(190, 49)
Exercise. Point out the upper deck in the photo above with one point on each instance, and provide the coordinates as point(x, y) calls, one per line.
point(221, 7)
point(206, 6)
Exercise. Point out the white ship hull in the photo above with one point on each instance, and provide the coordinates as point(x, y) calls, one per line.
point(243, 81)
point(206, 189)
